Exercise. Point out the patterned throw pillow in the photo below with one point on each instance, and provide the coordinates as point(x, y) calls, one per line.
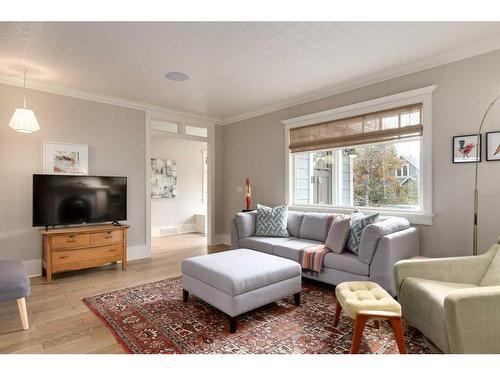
point(358, 223)
point(271, 222)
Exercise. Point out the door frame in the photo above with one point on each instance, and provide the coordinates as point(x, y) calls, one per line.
point(181, 121)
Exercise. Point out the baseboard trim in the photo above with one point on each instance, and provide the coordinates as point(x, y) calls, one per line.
point(138, 252)
point(34, 266)
point(222, 238)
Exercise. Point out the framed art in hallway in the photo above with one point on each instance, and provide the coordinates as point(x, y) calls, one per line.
point(465, 148)
point(65, 158)
point(493, 146)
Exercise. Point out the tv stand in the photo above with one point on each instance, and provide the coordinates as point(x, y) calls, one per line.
point(116, 223)
point(75, 248)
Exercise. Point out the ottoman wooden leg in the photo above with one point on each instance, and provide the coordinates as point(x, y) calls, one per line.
point(233, 323)
point(185, 295)
point(296, 298)
point(359, 326)
point(338, 310)
point(397, 327)
point(23, 313)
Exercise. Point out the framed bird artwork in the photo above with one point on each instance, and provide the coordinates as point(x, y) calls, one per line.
point(465, 148)
point(493, 146)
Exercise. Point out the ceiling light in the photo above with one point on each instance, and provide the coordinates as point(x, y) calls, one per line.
point(23, 120)
point(177, 76)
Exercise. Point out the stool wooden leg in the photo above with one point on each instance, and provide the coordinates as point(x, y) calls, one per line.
point(185, 295)
point(376, 324)
point(23, 313)
point(233, 323)
point(397, 327)
point(338, 310)
point(296, 299)
point(359, 326)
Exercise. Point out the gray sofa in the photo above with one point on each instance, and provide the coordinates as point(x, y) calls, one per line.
point(382, 244)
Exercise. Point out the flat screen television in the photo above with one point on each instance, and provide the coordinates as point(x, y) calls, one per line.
point(62, 199)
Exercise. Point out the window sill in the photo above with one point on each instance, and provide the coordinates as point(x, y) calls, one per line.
point(418, 218)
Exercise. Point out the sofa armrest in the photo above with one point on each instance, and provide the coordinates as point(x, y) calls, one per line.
point(468, 270)
point(472, 320)
point(242, 226)
point(234, 235)
point(392, 248)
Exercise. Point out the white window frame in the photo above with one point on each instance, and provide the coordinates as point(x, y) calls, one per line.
point(422, 95)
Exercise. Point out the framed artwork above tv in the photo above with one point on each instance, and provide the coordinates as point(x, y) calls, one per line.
point(65, 158)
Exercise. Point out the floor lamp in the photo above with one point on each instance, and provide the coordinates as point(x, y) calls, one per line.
point(478, 150)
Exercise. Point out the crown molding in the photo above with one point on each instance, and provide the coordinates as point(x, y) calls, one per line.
point(428, 63)
point(105, 99)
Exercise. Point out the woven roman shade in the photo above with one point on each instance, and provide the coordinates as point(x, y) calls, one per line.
point(382, 126)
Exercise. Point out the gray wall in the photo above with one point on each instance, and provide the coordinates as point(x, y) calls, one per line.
point(116, 140)
point(255, 148)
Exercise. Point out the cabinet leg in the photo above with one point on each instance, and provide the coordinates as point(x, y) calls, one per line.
point(48, 276)
point(124, 265)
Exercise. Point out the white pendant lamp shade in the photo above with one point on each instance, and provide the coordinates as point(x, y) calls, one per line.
point(24, 121)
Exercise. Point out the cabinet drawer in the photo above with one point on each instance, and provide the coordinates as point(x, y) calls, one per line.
point(67, 241)
point(101, 238)
point(84, 255)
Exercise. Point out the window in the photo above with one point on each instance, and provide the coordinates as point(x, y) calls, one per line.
point(196, 131)
point(373, 175)
point(375, 155)
point(164, 126)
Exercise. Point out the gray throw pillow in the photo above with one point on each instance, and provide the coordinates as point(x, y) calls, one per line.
point(271, 222)
point(358, 223)
point(338, 234)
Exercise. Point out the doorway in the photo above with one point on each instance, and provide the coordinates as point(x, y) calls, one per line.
point(179, 179)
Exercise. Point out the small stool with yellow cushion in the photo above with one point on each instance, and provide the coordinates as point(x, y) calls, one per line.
point(363, 301)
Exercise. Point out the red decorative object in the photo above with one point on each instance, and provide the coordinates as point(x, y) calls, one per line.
point(152, 318)
point(248, 194)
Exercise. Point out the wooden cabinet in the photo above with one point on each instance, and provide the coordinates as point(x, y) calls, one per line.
point(76, 248)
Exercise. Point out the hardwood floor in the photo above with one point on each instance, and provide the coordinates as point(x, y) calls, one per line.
point(61, 323)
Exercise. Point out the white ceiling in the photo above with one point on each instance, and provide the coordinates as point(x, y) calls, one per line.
point(236, 69)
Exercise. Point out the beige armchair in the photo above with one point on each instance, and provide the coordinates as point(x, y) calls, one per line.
point(454, 302)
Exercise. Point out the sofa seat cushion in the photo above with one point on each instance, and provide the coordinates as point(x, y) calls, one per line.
point(14, 280)
point(239, 271)
point(347, 262)
point(263, 244)
point(424, 306)
point(290, 249)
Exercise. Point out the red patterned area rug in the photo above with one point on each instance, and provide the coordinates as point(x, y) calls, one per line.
point(152, 318)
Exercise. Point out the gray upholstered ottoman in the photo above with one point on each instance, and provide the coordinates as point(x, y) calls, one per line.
point(240, 280)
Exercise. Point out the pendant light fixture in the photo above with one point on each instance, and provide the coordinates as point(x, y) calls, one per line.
point(23, 120)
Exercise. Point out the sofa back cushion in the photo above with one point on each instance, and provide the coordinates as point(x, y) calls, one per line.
point(271, 222)
point(359, 221)
point(315, 226)
point(245, 224)
point(372, 234)
point(492, 275)
point(294, 222)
